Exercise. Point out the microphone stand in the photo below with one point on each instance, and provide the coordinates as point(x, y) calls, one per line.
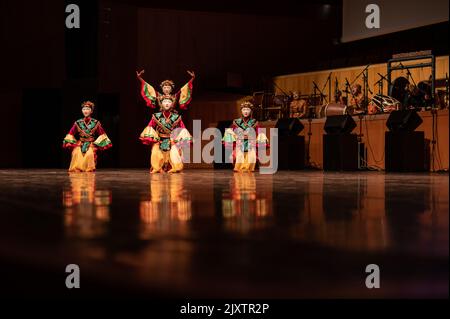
point(308, 157)
point(347, 84)
point(446, 88)
point(336, 88)
point(329, 87)
point(347, 88)
point(380, 86)
point(360, 135)
point(285, 100)
point(363, 71)
point(383, 78)
point(367, 90)
point(321, 93)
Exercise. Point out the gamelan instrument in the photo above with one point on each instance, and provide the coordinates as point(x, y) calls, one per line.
point(331, 109)
point(383, 104)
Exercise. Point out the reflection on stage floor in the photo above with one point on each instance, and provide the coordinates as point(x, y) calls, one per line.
point(205, 233)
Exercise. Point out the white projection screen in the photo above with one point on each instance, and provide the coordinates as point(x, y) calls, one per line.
point(395, 15)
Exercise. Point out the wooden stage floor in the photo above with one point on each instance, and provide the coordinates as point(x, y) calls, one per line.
point(206, 233)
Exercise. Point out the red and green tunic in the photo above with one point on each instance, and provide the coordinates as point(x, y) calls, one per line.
point(163, 125)
point(152, 97)
point(89, 131)
point(240, 134)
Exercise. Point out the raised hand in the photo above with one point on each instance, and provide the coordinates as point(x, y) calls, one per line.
point(191, 73)
point(139, 73)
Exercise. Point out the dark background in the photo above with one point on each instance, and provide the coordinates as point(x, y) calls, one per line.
point(48, 70)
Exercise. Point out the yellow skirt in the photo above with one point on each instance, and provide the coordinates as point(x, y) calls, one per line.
point(159, 159)
point(245, 161)
point(82, 162)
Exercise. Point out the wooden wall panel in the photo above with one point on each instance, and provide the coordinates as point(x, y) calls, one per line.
point(303, 82)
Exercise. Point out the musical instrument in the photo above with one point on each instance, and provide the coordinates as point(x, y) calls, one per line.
point(331, 109)
point(383, 104)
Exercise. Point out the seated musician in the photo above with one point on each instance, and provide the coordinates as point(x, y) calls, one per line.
point(356, 99)
point(298, 107)
point(416, 98)
point(413, 98)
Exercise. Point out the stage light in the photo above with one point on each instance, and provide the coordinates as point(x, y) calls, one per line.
point(324, 11)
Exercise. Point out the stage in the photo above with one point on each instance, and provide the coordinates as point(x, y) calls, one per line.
point(213, 233)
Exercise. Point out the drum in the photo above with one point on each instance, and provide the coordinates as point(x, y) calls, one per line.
point(383, 104)
point(331, 109)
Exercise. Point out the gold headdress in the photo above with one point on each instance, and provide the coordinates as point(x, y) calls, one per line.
point(167, 82)
point(88, 104)
point(167, 97)
point(247, 104)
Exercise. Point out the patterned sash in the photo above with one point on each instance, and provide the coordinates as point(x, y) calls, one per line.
point(243, 141)
point(86, 132)
point(164, 127)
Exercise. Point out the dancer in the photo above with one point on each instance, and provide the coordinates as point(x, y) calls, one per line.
point(154, 98)
point(92, 138)
point(166, 131)
point(244, 136)
point(167, 135)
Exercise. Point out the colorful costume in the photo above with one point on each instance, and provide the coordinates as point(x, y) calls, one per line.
point(166, 130)
point(92, 137)
point(244, 136)
point(167, 133)
point(154, 98)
